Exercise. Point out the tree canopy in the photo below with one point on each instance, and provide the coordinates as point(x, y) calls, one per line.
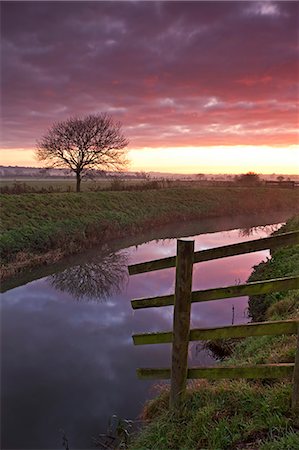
point(82, 144)
point(248, 179)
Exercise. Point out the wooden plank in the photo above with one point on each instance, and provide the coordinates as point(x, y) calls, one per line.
point(217, 373)
point(232, 331)
point(181, 322)
point(295, 391)
point(284, 239)
point(150, 302)
point(154, 338)
point(254, 288)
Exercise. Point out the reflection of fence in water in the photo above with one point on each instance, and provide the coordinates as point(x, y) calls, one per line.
point(182, 299)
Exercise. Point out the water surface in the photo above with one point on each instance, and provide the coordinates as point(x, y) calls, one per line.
point(68, 361)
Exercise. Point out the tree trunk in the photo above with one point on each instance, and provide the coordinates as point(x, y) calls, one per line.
point(78, 175)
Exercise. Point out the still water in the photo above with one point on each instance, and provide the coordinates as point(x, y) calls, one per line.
point(68, 361)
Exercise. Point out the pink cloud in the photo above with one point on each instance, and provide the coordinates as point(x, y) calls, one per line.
point(66, 58)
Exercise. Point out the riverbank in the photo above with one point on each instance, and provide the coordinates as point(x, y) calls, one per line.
point(238, 414)
point(39, 229)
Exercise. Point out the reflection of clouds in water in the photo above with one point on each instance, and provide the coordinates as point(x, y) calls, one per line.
point(203, 242)
point(152, 283)
point(227, 271)
point(71, 365)
point(97, 279)
point(219, 312)
point(167, 247)
point(152, 250)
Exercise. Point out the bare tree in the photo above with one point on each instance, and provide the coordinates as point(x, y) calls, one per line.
point(84, 143)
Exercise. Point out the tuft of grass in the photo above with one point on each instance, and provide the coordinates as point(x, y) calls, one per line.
point(287, 308)
point(263, 350)
point(289, 441)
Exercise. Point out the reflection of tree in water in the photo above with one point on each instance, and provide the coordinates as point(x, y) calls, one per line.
point(249, 231)
point(96, 279)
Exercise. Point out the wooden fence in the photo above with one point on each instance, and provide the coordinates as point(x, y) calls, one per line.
point(182, 299)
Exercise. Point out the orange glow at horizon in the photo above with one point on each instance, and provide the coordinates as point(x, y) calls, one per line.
point(213, 159)
point(217, 159)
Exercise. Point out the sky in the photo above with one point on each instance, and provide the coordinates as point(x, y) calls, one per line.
point(199, 87)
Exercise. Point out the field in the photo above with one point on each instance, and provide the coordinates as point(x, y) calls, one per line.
point(238, 414)
point(28, 185)
point(41, 228)
point(63, 184)
point(50, 185)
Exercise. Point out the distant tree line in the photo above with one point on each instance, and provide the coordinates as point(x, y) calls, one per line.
point(248, 179)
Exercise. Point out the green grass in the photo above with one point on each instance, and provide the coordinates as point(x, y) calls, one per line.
point(284, 262)
point(237, 414)
point(64, 184)
point(50, 185)
point(223, 415)
point(34, 224)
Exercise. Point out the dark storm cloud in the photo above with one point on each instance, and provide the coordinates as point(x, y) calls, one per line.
point(175, 73)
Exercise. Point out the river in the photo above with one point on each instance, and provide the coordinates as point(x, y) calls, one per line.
point(68, 361)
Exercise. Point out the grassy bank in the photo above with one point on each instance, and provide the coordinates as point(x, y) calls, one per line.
point(238, 414)
point(42, 228)
point(52, 185)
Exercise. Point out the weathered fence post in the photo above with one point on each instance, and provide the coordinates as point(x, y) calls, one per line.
point(295, 393)
point(181, 322)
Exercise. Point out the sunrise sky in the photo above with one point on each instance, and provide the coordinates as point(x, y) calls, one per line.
point(198, 86)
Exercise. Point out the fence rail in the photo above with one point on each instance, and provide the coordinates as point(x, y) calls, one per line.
point(217, 373)
point(229, 332)
point(239, 290)
point(184, 297)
